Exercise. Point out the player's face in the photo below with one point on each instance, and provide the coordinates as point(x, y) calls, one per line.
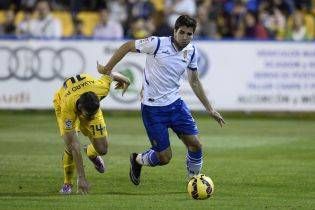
point(183, 36)
point(85, 114)
point(43, 9)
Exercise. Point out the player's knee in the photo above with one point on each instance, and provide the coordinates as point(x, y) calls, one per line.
point(100, 145)
point(165, 159)
point(101, 151)
point(198, 146)
point(195, 146)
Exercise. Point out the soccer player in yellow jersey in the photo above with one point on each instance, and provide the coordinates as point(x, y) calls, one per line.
point(77, 108)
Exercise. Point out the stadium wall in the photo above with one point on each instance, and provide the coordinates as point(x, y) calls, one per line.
point(237, 75)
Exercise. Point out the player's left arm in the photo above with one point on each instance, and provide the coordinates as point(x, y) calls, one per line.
point(122, 81)
point(196, 86)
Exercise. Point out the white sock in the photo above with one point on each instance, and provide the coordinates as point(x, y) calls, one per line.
point(139, 159)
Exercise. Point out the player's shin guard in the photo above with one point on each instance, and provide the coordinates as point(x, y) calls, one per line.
point(148, 158)
point(91, 152)
point(193, 162)
point(68, 167)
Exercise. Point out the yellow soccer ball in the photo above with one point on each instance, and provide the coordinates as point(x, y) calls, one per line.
point(200, 187)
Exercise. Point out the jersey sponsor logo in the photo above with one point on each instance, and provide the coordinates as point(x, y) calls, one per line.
point(44, 63)
point(68, 124)
point(185, 54)
point(166, 52)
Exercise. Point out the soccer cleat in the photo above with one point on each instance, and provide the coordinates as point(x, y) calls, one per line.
point(98, 164)
point(66, 189)
point(135, 169)
point(97, 161)
point(191, 174)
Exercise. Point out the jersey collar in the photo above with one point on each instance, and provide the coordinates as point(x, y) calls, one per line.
point(172, 39)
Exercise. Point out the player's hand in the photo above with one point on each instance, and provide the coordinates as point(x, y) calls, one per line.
point(102, 69)
point(126, 85)
point(83, 186)
point(217, 116)
point(122, 85)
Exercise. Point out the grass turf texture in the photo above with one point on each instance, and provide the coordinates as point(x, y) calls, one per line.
point(254, 163)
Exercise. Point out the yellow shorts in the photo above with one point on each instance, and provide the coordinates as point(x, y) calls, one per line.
point(95, 128)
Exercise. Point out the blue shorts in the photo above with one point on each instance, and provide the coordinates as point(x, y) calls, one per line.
point(157, 120)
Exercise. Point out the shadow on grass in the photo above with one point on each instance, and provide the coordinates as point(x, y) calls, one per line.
point(140, 193)
point(49, 194)
point(28, 194)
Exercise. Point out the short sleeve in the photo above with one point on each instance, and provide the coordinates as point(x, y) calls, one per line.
point(148, 45)
point(193, 64)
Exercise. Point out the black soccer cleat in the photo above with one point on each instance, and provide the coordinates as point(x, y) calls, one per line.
point(135, 169)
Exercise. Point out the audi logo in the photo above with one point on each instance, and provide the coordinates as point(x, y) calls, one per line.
point(44, 63)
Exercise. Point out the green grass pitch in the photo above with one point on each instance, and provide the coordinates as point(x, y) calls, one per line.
point(255, 163)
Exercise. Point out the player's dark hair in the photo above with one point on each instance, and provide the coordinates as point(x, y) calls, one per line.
point(185, 20)
point(48, 2)
point(89, 102)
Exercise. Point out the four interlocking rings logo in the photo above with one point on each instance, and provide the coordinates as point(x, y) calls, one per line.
point(44, 63)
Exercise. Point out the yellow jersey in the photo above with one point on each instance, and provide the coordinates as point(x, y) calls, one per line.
point(65, 100)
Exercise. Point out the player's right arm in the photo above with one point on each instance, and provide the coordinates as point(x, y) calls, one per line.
point(68, 119)
point(148, 45)
point(118, 55)
point(73, 145)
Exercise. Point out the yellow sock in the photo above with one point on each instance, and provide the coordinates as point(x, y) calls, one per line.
point(91, 152)
point(68, 167)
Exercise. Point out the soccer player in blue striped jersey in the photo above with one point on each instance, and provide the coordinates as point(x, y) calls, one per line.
point(167, 58)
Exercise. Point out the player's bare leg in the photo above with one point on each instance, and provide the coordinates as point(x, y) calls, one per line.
point(95, 150)
point(165, 156)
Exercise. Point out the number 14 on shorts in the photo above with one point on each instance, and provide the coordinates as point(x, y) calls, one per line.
point(97, 128)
